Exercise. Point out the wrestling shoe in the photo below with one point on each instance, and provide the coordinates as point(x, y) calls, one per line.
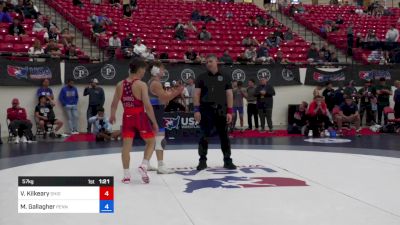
point(151, 168)
point(143, 172)
point(164, 170)
point(126, 180)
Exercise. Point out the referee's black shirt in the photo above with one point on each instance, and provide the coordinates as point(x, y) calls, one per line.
point(213, 88)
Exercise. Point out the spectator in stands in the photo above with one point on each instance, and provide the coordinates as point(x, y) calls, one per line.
point(252, 23)
point(321, 57)
point(69, 99)
point(77, 3)
point(96, 100)
point(29, 11)
point(238, 96)
point(262, 53)
point(249, 41)
point(280, 59)
point(195, 16)
point(207, 17)
point(252, 111)
point(312, 54)
point(190, 87)
point(318, 116)
point(348, 113)
point(49, 23)
point(52, 34)
point(38, 26)
point(149, 54)
point(19, 126)
point(102, 127)
point(270, 22)
point(45, 90)
point(318, 90)
point(278, 33)
point(115, 3)
point(339, 20)
point(71, 52)
point(179, 24)
point(180, 33)
point(127, 12)
point(261, 20)
point(326, 52)
point(189, 26)
point(44, 115)
point(351, 91)
point(99, 29)
point(288, 35)
point(392, 35)
point(67, 37)
point(204, 35)
point(273, 41)
point(329, 96)
point(92, 18)
point(16, 28)
point(36, 49)
point(105, 19)
point(95, 2)
point(190, 55)
point(383, 92)
point(133, 4)
point(53, 49)
point(114, 41)
point(5, 17)
point(226, 58)
point(359, 40)
point(229, 15)
point(367, 95)
point(371, 36)
point(139, 48)
point(250, 54)
point(396, 99)
point(333, 58)
point(298, 121)
point(127, 46)
point(265, 93)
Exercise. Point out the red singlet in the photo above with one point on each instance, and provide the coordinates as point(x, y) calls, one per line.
point(134, 118)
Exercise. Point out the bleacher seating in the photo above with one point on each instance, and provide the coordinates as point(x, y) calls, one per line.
point(315, 16)
point(152, 18)
point(21, 44)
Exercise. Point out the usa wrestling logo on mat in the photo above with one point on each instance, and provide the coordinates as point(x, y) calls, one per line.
point(234, 179)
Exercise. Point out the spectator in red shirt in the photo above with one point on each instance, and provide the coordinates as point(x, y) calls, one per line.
point(318, 116)
point(19, 123)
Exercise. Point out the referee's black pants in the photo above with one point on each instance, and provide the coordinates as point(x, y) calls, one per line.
point(213, 120)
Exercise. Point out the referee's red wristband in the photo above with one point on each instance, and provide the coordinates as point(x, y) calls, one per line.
point(229, 111)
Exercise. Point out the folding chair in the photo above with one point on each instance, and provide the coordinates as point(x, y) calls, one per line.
point(49, 128)
point(389, 112)
point(11, 136)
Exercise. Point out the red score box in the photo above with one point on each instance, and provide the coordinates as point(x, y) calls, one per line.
point(106, 193)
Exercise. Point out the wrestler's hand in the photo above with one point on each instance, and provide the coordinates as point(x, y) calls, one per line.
point(155, 128)
point(228, 118)
point(197, 117)
point(112, 119)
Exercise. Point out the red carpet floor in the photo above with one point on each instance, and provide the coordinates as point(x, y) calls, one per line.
point(81, 138)
point(283, 133)
point(237, 134)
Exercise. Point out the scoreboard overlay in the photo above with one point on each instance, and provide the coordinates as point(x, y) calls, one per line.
point(65, 194)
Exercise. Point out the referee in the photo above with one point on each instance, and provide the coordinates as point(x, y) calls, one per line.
point(213, 102)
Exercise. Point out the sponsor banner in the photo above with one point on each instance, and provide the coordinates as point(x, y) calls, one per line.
point(180, 125)
point(108, 73)
point(14, 73)
point(357, 73)
point(316, 76)
point(111, 72)
point(376, 72)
